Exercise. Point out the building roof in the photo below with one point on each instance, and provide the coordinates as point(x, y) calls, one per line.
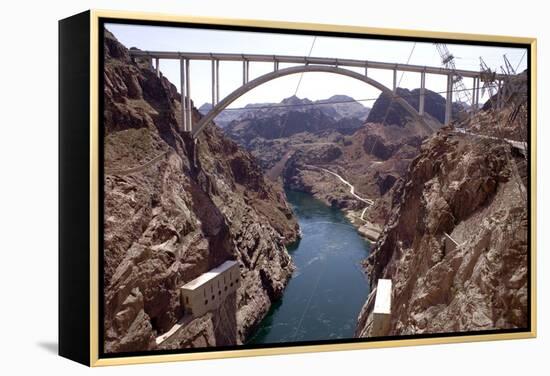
point(382, 303)
point(209, 275)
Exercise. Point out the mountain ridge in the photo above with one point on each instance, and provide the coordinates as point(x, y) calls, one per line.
point(350, 108)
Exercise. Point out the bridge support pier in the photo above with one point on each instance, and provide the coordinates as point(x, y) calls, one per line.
point(215, 82)
point(449, 100)
point(422, 93)
point(157, 67)
point(499, 95)
point(394, 80)
point(475, 93)
point(246, 66)
point(188, 91)
point(183, 126)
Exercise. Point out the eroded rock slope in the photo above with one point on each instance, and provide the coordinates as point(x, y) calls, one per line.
point(472, 189)
point(175, 209)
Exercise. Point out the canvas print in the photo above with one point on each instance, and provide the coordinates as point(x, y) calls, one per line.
point(278, 188)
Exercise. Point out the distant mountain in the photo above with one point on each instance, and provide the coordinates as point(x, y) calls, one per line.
point(434, 105)
point(344, 107)
point(337, 107)
point(295, 115)
point(225, 117)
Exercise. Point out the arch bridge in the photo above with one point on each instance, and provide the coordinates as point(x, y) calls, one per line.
point(307, 64)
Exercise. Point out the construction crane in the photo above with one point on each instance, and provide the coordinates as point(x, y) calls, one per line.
point(488, 78)
point(512, 86)
point(508, 69)
point(448, 60)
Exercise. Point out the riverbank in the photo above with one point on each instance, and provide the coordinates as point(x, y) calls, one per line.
point(369, 230)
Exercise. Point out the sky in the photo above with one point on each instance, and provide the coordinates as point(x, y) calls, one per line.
point(312, 85)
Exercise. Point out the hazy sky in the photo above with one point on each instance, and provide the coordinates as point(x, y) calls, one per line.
point(313, 85)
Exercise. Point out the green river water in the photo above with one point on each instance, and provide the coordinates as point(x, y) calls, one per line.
point(326, 292)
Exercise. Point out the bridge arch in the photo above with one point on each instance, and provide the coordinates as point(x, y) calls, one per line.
point(302, 69)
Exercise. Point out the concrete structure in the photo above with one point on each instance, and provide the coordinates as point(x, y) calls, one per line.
point(206, 292)
point(449, 100)
point(381, 313)
point(310, 64)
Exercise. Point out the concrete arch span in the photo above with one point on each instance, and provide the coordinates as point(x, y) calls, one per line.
point(300, 69)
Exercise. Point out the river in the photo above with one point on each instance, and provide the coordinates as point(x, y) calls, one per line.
point(326, 292)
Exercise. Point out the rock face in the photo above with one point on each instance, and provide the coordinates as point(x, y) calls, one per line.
point(509, 120)
point(343, 106)
point(390, 112)
point(175, 209)
point(472, 189)
point(372, 160)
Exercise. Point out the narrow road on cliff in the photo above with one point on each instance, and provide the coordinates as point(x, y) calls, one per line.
point(521, 146)
point(274, 172)
point(367, 201)
point(351, 187)
point(141, 168)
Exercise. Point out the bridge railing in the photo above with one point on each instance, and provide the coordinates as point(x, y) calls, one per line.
point(308, 60)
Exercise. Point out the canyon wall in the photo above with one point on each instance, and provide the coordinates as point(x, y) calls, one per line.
point(174, 209)
point(472, 189)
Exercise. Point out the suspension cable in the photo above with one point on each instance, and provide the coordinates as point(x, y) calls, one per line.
point(283, 128)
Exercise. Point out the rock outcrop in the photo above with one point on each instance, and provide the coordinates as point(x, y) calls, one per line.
point(373, 159)
point(386, 110)
point(472, 189)
point(175, 209)
point(507, 121)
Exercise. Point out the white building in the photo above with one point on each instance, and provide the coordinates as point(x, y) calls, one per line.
point(209, 290)
point(381, 313)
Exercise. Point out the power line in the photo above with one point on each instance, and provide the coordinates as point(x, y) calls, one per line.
point(408, 60)
point(283, 128)
point(520, 60)
point(302, 74)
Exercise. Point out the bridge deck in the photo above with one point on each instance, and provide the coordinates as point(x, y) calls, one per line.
point(307, 60)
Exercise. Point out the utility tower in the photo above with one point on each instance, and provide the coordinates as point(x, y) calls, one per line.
point(448, 60)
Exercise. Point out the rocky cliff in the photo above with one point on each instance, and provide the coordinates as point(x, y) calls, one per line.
point(472, 190)
point(372, 159)
point(174, 209)
point(387, 111)
point(505, 114)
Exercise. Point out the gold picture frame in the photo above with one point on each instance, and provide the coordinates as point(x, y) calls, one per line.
point(88, 353)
